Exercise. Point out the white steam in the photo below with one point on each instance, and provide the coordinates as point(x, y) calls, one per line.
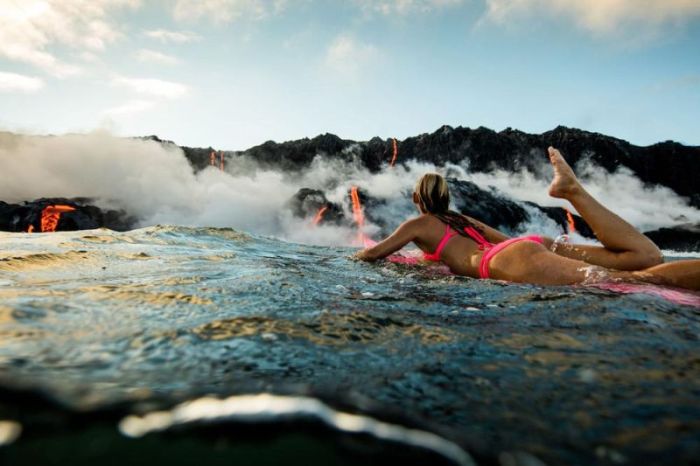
point(645, 207)
point(156, 184)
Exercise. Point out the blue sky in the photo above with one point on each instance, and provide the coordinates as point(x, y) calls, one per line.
point(235, 73)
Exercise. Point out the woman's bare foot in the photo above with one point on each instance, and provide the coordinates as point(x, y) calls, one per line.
point(564, 185)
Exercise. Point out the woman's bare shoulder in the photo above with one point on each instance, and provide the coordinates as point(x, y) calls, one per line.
point(420, 221)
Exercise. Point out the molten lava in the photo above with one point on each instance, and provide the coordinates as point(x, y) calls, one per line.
point(357, 213)
point(570, 220)
point(319, 214)
point(359, 216)
point(395, 146)
point(51, 215)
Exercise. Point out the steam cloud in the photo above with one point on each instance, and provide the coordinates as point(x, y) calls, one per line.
point(156, 183)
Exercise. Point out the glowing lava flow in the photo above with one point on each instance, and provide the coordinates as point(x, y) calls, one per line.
point(396, 152)
point(319, 214)
point(357, 213)
point(50, 216)
point(359, 216)
point(570, 220)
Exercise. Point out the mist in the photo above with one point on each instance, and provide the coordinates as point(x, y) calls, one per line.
point(156, 184)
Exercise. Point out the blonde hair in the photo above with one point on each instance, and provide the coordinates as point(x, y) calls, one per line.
point(433, 193)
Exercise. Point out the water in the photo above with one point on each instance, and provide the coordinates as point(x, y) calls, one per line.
point(169, 314)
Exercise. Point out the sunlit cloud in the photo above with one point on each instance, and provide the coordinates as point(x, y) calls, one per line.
point(30, 30)
point(600, 17)
point(349, 56)
point(155, 57)
point(12, 82)
point(219, 11)
point(175, 37)
point(152, 87)
point(403, 7)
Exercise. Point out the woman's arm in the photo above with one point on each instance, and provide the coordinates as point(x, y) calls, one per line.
point(403, 235)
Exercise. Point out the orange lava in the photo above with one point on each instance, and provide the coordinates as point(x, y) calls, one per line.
point(396, 152)
point(50, 216)
point(570, 220)
point(319, 214)
point(358, 215)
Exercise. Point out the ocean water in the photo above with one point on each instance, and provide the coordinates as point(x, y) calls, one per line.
point(476, 371)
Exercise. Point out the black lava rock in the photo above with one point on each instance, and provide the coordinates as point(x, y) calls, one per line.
point(309, 202)
point(19, 217)
point(679, 238)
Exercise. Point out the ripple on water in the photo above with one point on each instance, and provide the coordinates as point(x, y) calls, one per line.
point(327, 328)
point(181, 311)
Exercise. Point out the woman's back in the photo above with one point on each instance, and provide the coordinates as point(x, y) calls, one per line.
point(459, 253)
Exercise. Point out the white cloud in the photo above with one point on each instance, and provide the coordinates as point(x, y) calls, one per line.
point(348, 56)
point(129, 108)
point(152, 87)
point(29, 29)
point(153, 56)
point(12, 82)
point(222, 11)
point(403, 7)
point(177, 37)
point(601, 17)
point(225, 11)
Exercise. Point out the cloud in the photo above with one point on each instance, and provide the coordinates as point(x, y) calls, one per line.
point(176, 37)
point(29, 29)
point(220, 11)
point(225, 11)
point(153, 56)
point(348, 56)
point(152, 87)
point(403, 7)
point(12, 82)
point(600, 17)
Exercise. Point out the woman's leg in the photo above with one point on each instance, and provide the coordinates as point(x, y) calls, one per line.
point(681, 274)
point(625, 248)
point(529, 262)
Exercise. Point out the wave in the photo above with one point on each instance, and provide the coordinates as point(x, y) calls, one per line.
point(275, 408)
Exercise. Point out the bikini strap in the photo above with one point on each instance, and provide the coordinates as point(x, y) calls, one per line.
point(435, 256)
point(482, 242)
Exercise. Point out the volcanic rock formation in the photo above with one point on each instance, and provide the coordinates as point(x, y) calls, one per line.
point(668, 163)
point(78, 215)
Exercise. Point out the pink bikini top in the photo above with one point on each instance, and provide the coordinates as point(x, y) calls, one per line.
point(451, 233)
point(484, 245)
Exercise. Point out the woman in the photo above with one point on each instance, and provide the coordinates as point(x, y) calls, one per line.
point(469, 247)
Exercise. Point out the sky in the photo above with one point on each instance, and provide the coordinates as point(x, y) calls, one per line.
point(235, 73)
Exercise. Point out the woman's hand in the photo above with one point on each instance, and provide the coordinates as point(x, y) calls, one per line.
point(403, 235)
point(364, 255)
